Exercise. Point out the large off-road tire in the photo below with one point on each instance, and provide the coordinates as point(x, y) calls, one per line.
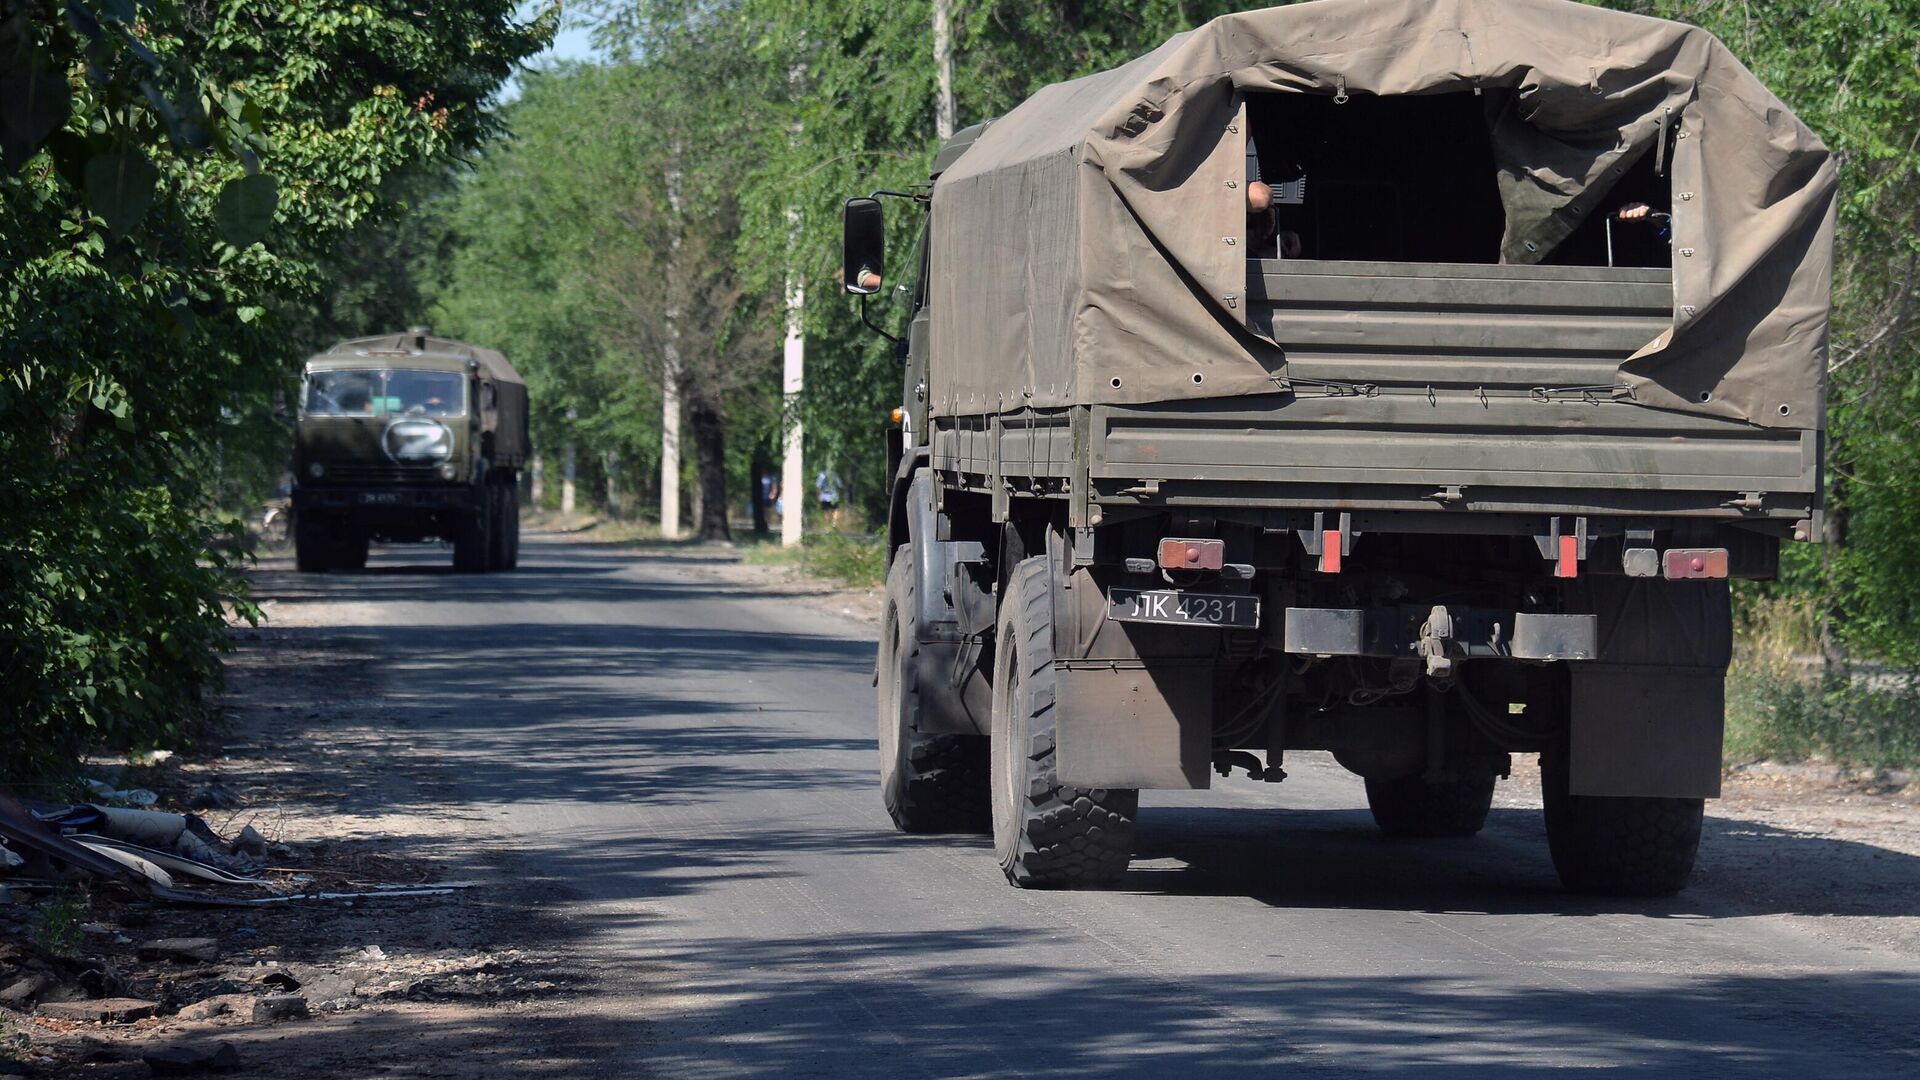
point(312, 546)
point(512, 526)
point(1410, 806)
point(498, 540)
point(1618, 846)
point(473, 542)
point(929, 782)
point(352, 552)
point(1044, 833)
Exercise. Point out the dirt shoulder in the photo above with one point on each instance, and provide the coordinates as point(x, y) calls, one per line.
point(470, 982)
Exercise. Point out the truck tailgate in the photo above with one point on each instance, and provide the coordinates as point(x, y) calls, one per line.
point(1409, 379)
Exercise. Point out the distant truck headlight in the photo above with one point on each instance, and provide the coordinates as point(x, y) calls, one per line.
point(447, 471)
point(316, 470)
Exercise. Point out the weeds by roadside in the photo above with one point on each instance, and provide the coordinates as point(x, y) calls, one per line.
point(60, 919)
point(1782, 706)
point(855, 561)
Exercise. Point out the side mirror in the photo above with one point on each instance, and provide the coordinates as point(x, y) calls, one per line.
point(864, 248)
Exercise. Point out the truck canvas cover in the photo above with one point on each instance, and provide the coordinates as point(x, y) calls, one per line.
point(1089, 247)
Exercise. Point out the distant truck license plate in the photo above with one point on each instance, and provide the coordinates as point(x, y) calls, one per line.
point(379, 497)
point(1172, 608)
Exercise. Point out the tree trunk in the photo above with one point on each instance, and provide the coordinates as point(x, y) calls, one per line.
point(762, 467)
point(710, 463)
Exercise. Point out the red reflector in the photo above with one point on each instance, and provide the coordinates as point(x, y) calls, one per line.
point(1330, 551)
point(1682, 563)
point(1569, 562)
point(1178, 554)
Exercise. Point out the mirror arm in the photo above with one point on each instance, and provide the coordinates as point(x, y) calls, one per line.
point(898, 344)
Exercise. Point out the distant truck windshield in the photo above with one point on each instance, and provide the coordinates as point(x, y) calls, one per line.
point(386, 393)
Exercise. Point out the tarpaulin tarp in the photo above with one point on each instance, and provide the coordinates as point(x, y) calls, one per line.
point(1088, 247)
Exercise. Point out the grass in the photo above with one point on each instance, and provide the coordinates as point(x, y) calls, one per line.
point(60, 919)
point(855, 561)
point(1782, 706)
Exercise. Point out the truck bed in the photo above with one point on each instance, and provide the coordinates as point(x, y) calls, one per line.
point(1417, 386)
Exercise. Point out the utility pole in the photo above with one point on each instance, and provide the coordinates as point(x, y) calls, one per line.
point(670, 383)
point(567, 471)
point(944, 116)
point(793, 472)
point(612, 465)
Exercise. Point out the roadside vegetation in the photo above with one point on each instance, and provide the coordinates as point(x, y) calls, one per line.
point(225, 190)
point(176, 183)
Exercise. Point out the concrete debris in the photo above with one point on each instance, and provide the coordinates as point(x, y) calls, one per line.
point(193, 950)
point(130, 796)
point(191, 1061)
point(22, 991)
point(372, 953)
point(276, 1007)
point(208, 1009)
point(250, 842)
point(99, 1011)
point(216, 797)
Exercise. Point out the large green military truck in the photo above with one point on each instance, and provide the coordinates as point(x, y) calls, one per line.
point(1394, 378)
point(408, 437)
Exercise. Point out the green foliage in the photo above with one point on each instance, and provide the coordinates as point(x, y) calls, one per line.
point(176, 178)
point(1851, 70)
point(58, 930)
point(594, 253)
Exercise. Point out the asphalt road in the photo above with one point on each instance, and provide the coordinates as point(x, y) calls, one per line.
point(691, 764)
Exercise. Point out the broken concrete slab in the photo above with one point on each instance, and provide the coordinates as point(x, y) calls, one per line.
point(193, 950)
point(208, 1009)
point(23, 990)
point(98, 1010)
point(276, 1007)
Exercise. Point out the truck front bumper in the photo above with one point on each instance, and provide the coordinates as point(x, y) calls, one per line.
point(451, 497)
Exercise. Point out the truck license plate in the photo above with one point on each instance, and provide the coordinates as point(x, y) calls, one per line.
point(1173, 608)
point(382, 497)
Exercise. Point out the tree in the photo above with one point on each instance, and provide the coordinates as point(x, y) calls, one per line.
point(169, 177)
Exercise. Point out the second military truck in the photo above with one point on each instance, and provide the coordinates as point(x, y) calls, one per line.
point(408, 437)
point(1399, 379)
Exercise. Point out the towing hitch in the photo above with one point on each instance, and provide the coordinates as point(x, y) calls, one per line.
point(1439, 635)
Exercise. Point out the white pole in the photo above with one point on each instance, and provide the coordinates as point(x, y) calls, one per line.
point(793, 473)
point(670, 449)
point(670, 387)
point(943, 115)
point(566, 486)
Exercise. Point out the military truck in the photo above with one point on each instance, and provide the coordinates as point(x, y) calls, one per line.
point(403, 438)
point(1444, 448)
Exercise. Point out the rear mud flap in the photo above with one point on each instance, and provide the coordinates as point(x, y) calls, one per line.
point(1647, 731)
point(1134, 724)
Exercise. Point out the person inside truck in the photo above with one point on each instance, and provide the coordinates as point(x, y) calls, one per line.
point(1264, 239)
point(1639, 211)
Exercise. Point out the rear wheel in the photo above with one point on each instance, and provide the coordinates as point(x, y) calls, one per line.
point(930, 783)
point(1045, 834)
point(472, 541)
point(498, 540)
point(1410, 806)
point(1618, 845)
point(312, 546)
point(512, 525)
point(352, 552)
